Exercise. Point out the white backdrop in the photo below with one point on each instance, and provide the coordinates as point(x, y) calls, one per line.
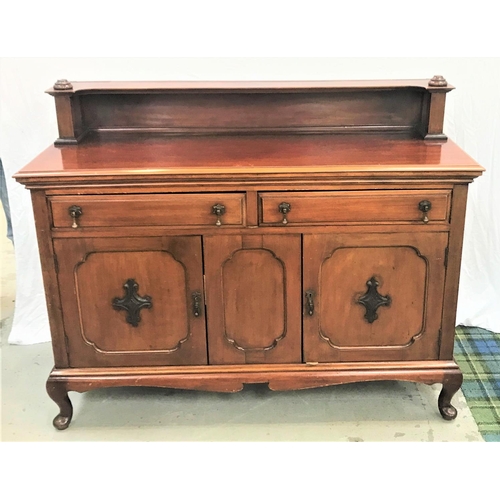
point(28, 125)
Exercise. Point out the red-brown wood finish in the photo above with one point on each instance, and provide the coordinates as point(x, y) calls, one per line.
point(206, 235)
point(184, 210)
point(143, 158)
point(92, 273)
point(453, 270)
point(404, 106)
point(235, 86)
point(358, 207)
point(409, 269)
point(49, 273)
point(253, 299)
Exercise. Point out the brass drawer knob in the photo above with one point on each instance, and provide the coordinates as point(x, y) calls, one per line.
point(284, 208)
point(424, 206)
point(218, 210)
point(75, 212)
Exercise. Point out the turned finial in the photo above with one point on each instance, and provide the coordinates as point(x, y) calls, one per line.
point(62, 85)
point(438, 81)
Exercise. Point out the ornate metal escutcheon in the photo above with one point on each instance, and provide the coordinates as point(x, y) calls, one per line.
point(372, 300)
point(310, 302)
point(132, 302)
point(196, 296)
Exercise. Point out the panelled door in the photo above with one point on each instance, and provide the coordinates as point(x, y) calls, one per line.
point(373, 297)
point(132, 301)
point(253, 298)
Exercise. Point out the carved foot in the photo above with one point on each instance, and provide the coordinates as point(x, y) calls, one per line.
point(451, 384)
point(59, 394)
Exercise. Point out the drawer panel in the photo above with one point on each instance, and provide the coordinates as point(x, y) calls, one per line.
point(149, 210)
point(331, 207)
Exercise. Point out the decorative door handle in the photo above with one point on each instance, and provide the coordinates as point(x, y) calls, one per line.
point(372, 300)
point(310, 302)
point(218, 210)
point(196, 296)
point(424, 206)
point(284, 208)
point(75, 212)
point(132, 302)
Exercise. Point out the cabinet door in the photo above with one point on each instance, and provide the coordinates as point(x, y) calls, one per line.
point(132, 301)
point(375, 297)
point(253, 299)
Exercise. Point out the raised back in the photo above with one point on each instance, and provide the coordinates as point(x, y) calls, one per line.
point(405, 107)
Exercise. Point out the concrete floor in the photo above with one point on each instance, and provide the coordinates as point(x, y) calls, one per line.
point(375, 411)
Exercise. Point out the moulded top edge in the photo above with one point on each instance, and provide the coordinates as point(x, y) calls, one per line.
point(251, 86)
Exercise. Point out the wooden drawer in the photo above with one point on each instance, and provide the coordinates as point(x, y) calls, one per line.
point(148, 210)
point(374, 207)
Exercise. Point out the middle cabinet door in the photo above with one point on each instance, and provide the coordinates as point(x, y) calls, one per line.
point(253, 298)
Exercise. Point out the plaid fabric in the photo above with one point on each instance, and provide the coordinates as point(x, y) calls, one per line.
point(477, 352)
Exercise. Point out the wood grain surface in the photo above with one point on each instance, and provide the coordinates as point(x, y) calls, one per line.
point(144, 157)
point(359, 284)
point(225, 86)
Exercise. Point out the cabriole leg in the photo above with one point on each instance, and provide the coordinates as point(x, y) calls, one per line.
point(451, 384)
point(59, 394)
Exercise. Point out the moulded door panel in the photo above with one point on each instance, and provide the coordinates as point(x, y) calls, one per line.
point(376, 297)
point(132, 301)
point(253, 299)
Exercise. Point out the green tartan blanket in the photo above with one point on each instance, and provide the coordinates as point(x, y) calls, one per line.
point(477, 352)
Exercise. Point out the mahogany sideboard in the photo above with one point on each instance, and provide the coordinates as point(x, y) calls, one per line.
point(205, 235)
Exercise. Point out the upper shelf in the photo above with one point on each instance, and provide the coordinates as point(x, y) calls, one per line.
point(63, 86)
point(383, 107)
